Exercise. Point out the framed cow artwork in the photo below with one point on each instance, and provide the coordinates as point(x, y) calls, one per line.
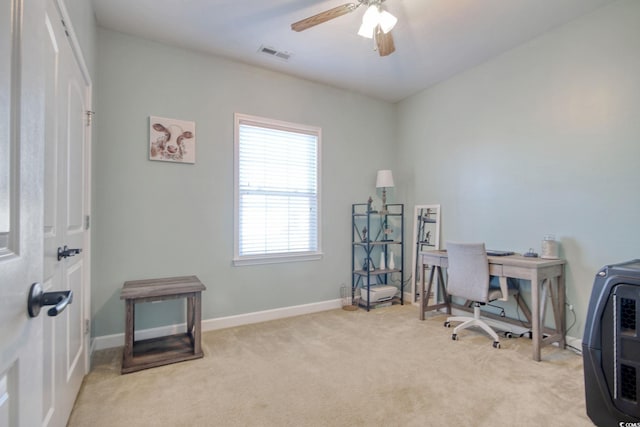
point(172, 140)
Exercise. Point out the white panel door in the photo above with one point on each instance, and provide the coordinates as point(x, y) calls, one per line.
point(21, 208)
point(65, 342)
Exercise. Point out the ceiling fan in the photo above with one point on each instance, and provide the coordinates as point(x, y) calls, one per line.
point(376, 23)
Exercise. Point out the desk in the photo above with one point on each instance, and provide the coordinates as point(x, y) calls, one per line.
point(546, 275)
point(153, 352)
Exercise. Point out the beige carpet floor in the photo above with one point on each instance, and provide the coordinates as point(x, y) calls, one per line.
point(340, 368)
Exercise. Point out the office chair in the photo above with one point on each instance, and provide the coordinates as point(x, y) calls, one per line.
point(468, 277)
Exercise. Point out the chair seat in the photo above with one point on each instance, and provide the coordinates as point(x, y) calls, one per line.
point(468, 277)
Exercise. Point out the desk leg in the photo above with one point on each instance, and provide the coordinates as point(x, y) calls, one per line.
point(535, 323)
point(525, 309)
point(445, 296)
point(427, 293)
point(424, 294)
point(129, 332)
point(424, 297)
point(423, 300)
point(544, 285)
point(561, 320)
point(557, 302)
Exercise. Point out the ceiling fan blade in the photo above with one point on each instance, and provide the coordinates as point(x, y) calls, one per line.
point(323, 17)
point(385, 42)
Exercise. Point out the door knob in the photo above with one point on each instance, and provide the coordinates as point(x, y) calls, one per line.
point(37, 299)
point(66, 252)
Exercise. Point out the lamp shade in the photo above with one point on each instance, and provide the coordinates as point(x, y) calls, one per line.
point(384, 179)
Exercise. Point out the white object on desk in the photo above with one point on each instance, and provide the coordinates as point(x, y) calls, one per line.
point(549, 247)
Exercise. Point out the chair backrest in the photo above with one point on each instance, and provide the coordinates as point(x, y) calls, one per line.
point(468, 271)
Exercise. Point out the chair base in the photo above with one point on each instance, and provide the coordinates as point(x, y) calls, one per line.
point(468, 322)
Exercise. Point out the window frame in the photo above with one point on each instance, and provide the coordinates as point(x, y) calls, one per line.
point(257, 121)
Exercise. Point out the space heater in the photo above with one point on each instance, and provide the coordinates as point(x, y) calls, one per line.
point(611, 346)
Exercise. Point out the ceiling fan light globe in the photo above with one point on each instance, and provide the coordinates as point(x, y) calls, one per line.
point(387, 21)
point(371, 17)
point(366, 31)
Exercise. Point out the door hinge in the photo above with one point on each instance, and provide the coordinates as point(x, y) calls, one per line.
point(87, 222)
point(64, 25)
point(90, 115)
point(86, 326)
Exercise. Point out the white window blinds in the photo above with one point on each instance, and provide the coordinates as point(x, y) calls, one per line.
point(276, 189)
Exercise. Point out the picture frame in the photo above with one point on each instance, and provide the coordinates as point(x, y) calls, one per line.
point(172, 140)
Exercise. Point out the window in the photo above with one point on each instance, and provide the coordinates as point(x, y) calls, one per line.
point(277, 201)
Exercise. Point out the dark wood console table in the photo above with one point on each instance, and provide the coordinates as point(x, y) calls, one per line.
point(153, 352)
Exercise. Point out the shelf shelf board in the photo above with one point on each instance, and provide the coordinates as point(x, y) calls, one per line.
point(378, 243)
point(160, 351)
point(364, 215)
point(376, 272)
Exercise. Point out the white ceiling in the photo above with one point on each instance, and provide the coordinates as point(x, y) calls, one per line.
point(434, 39)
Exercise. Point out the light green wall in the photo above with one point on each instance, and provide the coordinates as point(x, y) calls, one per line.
point(543, 139)
point(156, 219)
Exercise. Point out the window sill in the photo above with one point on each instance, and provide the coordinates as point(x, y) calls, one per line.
point(276, 259)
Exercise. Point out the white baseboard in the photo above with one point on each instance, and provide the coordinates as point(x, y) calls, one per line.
point(117, 340)
point(407, 298)
point(263, 316)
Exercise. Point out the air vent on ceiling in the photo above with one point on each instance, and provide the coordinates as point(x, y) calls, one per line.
point(275, 53)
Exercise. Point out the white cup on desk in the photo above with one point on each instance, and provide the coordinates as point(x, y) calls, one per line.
point(549, 247)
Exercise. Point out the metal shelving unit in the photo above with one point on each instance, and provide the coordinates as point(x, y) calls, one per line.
point(375, 236)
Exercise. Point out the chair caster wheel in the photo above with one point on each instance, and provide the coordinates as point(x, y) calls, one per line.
point(454, 337)
point(496, 344)
point(508, 335)
point(447, 324)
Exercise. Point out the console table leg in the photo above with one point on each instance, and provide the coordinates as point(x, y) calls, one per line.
point(190, 316)
point(129, 332)
point(197, 314)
